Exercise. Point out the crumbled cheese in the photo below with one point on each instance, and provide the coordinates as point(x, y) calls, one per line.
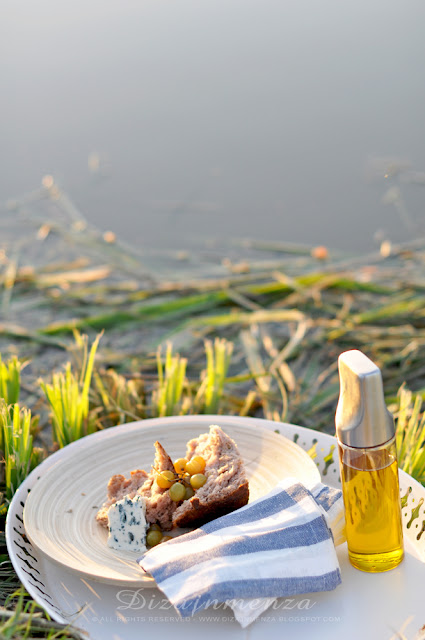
point(127, 524)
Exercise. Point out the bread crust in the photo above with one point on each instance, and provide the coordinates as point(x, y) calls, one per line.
point(203, 512)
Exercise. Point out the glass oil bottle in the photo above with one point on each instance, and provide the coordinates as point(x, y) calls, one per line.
point(369, 470)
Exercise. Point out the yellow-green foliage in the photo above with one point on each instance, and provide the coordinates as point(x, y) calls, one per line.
point(167, 398)
point(410, 434)
point(68, 398)
point(117, 399)
point(10, 384)
point(20, 457)
point(211, 389)
point(10, 380)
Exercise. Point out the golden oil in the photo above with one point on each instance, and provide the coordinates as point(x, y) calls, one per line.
point(369, 471)
point(372, 507)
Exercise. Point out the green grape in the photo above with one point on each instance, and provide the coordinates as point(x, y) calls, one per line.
point(153, 538)
point(188, 493)
point(200, 461)
point(177, 492)
point(180, 465)
point(195, 465)
point(165, 479)
point(166, 538)
point(198, 480)
point(154, 527)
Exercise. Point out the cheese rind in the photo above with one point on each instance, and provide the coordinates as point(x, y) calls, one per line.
point(127, 524)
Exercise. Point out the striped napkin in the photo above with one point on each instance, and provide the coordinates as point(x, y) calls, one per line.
point(280, 545)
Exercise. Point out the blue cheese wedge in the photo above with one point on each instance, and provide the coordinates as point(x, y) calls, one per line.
point(127, 524)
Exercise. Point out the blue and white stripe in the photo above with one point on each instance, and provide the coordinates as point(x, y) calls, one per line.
point(278, 545)
point(331, 502)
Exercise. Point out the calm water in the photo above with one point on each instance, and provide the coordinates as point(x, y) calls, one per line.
point(169, 121)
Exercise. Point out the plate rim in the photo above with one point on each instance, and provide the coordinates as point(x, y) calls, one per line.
point(136, 425)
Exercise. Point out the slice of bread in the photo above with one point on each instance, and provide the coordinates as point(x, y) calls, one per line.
point(225, 490)
point(159, 506)
point(119, 487)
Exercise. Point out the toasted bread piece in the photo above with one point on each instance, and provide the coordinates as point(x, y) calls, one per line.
point(159, 506)
point(226, 488)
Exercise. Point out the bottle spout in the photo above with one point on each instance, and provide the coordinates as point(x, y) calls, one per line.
point(362, 419)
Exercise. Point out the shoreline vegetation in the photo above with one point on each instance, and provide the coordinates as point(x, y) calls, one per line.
point(94, 333)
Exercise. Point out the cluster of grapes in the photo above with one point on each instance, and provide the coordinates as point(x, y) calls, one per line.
point(184, 480)
point(188, 475)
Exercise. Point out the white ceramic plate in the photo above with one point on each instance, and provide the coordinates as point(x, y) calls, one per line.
point(60, 511)
point(365, 605)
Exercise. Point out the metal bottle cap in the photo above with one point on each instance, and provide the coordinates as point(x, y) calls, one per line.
point(362, 418)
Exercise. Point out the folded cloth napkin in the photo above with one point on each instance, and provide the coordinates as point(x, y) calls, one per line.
point(277, 546)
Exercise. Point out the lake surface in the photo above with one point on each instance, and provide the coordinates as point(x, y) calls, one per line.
point(174, 121)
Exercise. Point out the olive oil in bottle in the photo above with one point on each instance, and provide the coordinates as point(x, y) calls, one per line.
point(372, 513)
point(369, 470)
